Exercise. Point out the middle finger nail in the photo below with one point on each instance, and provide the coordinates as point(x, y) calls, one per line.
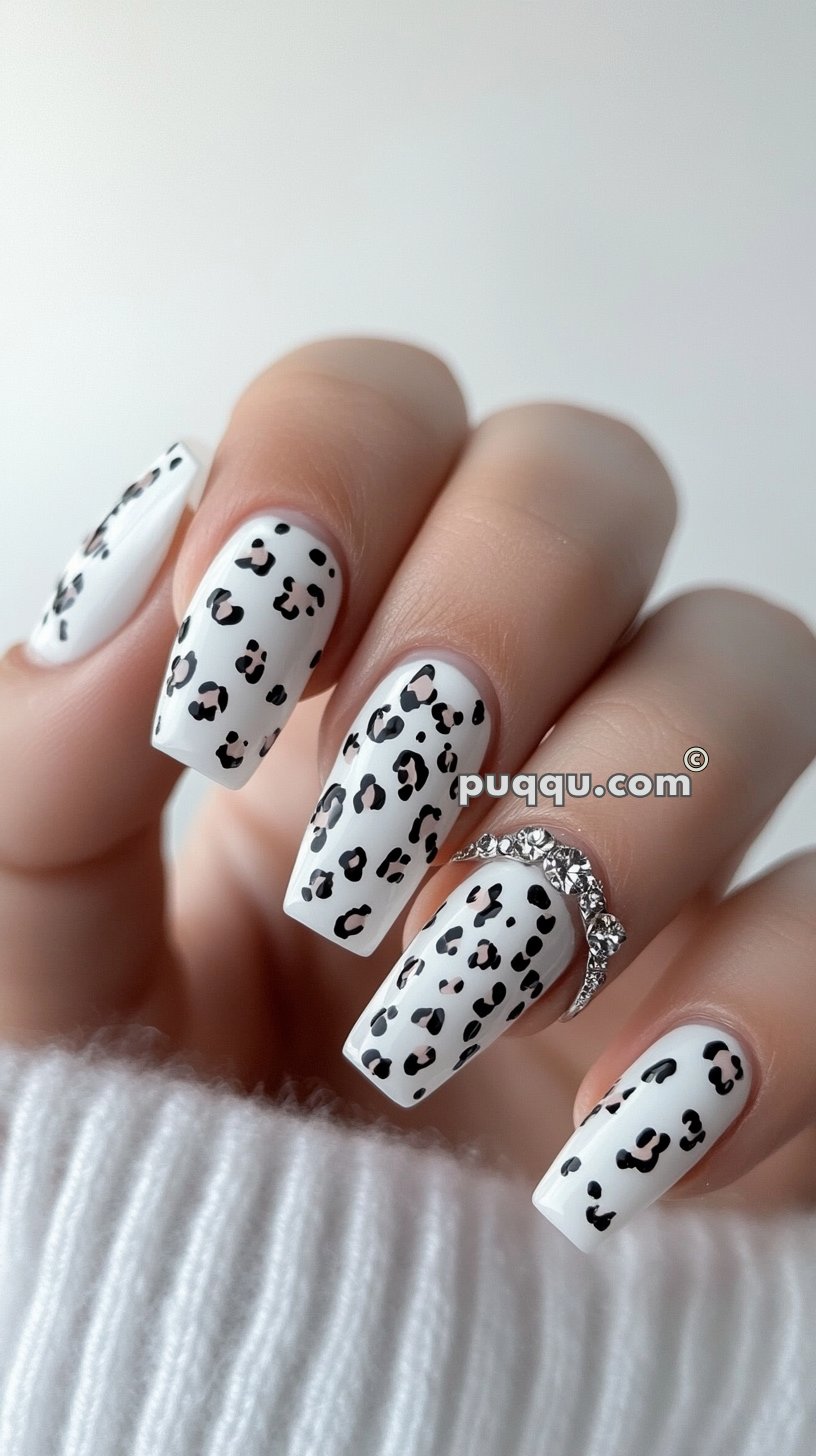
point(389, 803)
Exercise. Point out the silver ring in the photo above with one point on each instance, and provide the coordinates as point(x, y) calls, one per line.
point(567, 870)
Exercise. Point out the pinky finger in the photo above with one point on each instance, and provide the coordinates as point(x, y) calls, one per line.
point(722, 1049)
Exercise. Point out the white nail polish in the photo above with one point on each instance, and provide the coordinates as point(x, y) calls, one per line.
point(656, 1122)
point(389, 803)
point(496, 944)
point(108, 576)
point(251, 637)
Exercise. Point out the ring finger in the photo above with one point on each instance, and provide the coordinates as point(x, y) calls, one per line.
point(716, 668)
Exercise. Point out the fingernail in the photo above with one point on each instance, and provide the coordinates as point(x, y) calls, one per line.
point(656, 1122)
point(389, 802)
point(251, 637)
point(109, 574)
point(495, 945)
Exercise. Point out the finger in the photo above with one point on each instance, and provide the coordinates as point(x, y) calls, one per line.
point(481, 638)
point(712, 668)
point(723, 1045)
point(81, 792)
point(330, 461)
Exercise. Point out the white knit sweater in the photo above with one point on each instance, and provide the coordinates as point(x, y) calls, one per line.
point(184, 1272)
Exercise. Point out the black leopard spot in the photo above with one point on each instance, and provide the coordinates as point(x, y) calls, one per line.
point(369, 795)
point(183, 630)
point(319, 886)
point(435, 916)
point(472, 1029)
point(638, 1157)
point(277, 695)
point(571, 1166)
point(282, 528)
point(451, 988)
point(328, 811)
point(478, 712)
point(412, 772)
point(486, 903)
point(485, 957)
point(696, 1132)
point(228, 755)
point(431, 848)
point(447, 761)
point(517, 1010)
point(351, 747)
point(252, 662)
point(446, 717)
point(317, 556)
point(223, 609)
point(353, 862)
point(345, 926)
point(727, 1069)
point(410, 968)
point(258, 558)
point(182, 670)
point(381, 727)
point(315, 660)
point(448, 944)
point(212, 698)
point(380, 1020)
point(428, 814)
point(66, 594)
point(378, 1066)
point(533, 983)
point(660, 1071)
point(417, 1060)
point(390, 870)
point(610, 1102)
point(600, 1221)
point(420, 1092)
point(269, 742)
point(139, 486)
point(296, 598)
point(430, 1017)
point(545, 923)
point(420, 690)
point(465, 1055)
point(483, 1007)
point(537, 895)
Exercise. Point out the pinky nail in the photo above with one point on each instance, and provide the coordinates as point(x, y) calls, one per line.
point(656, 1121)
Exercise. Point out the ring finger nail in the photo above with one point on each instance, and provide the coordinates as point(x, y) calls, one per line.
point(253, 632)
point(652, 1126)
point(108, 575)
point(389, 803)
point(499, 941)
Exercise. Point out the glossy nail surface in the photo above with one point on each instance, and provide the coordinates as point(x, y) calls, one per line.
point(496, 944)
point(252, 635)
point(389, 802)
point(109, 574)
point(654, 1123)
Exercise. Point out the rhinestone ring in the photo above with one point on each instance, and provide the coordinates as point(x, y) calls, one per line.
point(569, 871)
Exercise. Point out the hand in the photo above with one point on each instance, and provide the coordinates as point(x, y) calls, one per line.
point(506, 563)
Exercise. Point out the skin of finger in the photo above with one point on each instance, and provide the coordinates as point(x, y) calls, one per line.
point(749, 970)
point(550, 506)
point(356, 435)
point(718, 668)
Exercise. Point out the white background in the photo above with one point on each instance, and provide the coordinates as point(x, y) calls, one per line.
point(611, 202)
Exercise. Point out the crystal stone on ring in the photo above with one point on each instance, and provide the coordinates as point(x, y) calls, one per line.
point(534, 844)
point(605, 935)
point(569, 870)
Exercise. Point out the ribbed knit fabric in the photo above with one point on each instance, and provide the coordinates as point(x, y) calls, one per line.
point(187, 1273)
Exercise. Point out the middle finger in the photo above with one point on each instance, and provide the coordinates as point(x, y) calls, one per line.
point(481, 640)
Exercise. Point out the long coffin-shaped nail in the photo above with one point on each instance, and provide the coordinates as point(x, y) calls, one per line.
point(495, 945)
point(252, 635)
point(108, 575)
point(656, 1122)
point(389, 802)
